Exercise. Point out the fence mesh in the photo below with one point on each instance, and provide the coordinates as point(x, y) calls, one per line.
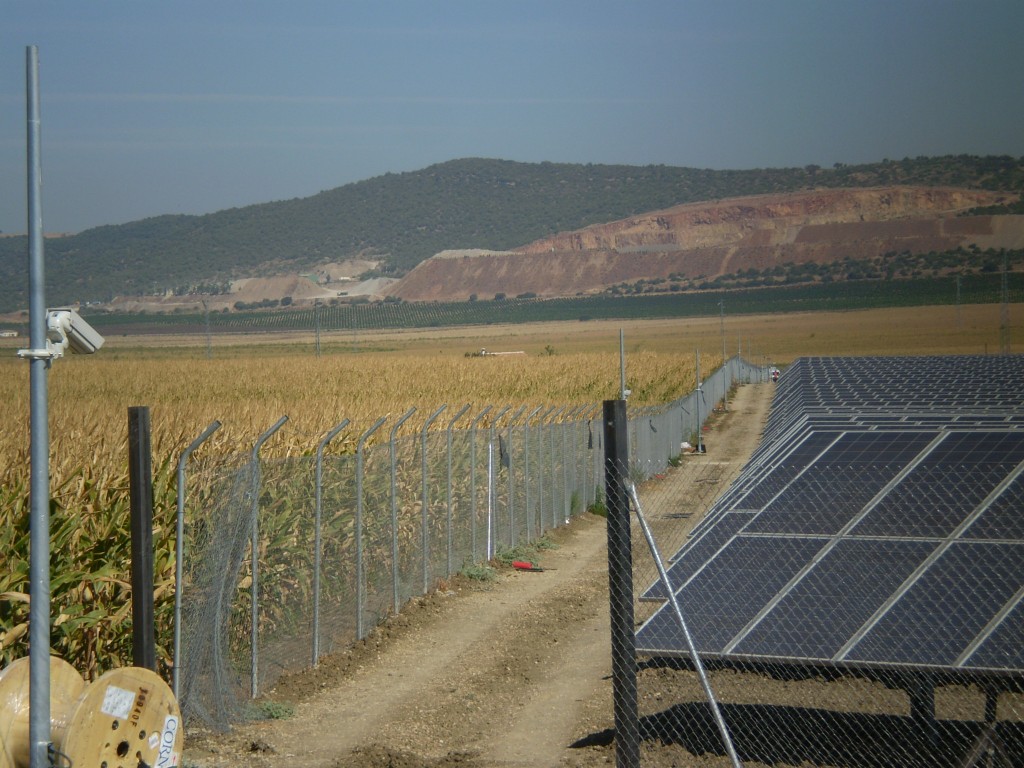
point(339, 550)
point(810, 661)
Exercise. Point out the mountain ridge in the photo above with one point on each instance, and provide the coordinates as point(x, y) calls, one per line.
point(399, 220)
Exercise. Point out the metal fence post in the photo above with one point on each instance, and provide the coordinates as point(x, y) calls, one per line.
point(179, 550)
point(317, 532)
point(360, 586)
point(620, 584)
point(472, 480)
point(510, 450)
point(394, 508)
point(526, 470)
point(551, 433)
point(492, 491)
point(539, 517)
point(448, 521)
point(425, 501)
point(566, 493)
point(255, 612)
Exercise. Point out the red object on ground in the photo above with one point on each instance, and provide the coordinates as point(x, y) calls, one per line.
point(521, 565)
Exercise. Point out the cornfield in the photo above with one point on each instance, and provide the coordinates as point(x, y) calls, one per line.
point(88, 402)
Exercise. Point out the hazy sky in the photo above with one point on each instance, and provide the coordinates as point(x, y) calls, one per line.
point(192, 106)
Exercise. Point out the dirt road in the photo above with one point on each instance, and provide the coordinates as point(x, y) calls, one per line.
point(511, 673)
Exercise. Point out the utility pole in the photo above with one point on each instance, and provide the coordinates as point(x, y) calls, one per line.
point(725, 396)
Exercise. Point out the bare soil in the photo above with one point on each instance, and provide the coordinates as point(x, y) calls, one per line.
point(514, 672)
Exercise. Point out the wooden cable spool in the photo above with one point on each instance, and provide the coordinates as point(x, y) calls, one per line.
point(66, 685)
point(128, 718)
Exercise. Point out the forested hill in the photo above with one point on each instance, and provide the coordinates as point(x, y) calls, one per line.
point(407, 217)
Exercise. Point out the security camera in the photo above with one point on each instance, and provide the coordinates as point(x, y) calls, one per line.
point(65, 327)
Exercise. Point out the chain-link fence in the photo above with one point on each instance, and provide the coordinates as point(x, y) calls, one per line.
point(853, 595)
point(329, 546)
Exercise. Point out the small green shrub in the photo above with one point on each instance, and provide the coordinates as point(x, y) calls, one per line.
point(478, 572)
point(271, 710)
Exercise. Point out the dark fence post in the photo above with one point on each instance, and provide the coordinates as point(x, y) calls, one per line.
point(140, 478)
point(620, 586)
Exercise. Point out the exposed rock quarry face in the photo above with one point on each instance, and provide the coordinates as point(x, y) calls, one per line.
point(721, 237)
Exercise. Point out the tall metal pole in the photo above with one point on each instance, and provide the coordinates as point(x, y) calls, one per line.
point(725, 390)
point(622, 364)
point(425, 499)
point(396, 601)
point(318, 534)
point(700, 396)
point(360, 586)
point(179, 551)
point(316, 322)
point(472, 481)
point(449, 530)
point(620, 587)
point(254, 608)
point(39, 566)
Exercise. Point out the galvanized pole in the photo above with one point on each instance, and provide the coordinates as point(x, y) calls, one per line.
point(449, 531)
point(254, 634)
point(492, 491)
point(511, 477)
point(700, 396)
point(316, 322)
point(622, 364)
point(540, 469)
point(725, 396)
point(394, 508)
point(39, 565)
point(472, 480)
point(551, 434)
point(360, 587)
point(526, 469)
point(566, 493)
point(425, 500)
point(179, 551)
point(317, 535)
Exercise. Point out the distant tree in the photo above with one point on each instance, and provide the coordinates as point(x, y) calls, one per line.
point(499, 297)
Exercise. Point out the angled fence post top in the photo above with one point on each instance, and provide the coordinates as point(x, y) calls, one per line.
point(497, 417)
point(479, 416)
point(515, 417)
point(266, 436)
point(405, 417)
point(183, 459)
point(330, 436)
point(366, 435)
point(457, 416)
point(431, 418)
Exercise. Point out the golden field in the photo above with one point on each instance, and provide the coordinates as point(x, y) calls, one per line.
point(249, 382)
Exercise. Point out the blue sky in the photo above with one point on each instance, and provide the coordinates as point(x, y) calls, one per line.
point(191, 107)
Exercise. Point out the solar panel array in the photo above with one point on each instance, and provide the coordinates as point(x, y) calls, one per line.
point(879, 523)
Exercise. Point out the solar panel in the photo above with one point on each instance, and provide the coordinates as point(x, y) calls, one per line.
point(880, 522)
